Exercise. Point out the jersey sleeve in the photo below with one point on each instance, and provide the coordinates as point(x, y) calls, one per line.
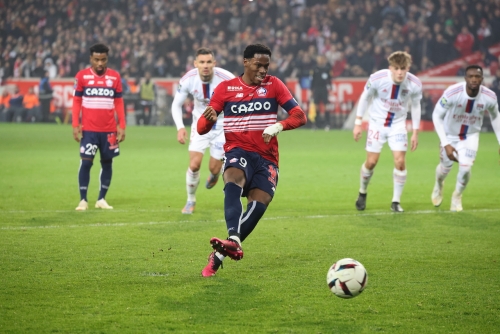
point(119, 105)
point(217, 99)
point(77, 100)
point(443, 105)
point(284, 97)
point(180, 96)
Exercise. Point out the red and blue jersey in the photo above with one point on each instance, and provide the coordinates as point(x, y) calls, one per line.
point(98, 97)
point(248, 110)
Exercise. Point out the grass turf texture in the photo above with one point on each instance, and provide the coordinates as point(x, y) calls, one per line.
point(137, 268)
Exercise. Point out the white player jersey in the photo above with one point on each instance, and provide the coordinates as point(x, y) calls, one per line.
point(201, 91)
point(463, 115)
point(390, 102)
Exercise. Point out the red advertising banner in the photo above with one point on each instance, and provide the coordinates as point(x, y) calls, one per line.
point(345, 90)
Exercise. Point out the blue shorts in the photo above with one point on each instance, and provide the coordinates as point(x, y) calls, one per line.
point(259, 172)
point(105, 142)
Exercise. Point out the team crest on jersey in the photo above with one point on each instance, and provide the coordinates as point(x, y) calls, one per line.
point(443, 101)
point(480, 106)
point(261, 91)
point(404, 92)
point(109, 83)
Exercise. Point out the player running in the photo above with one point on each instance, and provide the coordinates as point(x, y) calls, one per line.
point(98, 96)
point(200, 82)
point(390, 92)
point(250, 106)
point(458, 117)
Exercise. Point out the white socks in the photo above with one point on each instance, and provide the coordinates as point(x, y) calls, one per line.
point(441, 173)
point(366, 175)
point(399, 177)
point(463, 177)
point(192, 181)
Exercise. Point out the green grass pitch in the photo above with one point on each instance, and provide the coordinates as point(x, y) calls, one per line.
point(136, 269)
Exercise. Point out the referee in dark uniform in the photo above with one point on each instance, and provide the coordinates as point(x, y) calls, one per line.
point(320, 88)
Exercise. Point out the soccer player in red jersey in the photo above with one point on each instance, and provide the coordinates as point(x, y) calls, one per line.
point(97, 97)
point(250, 105)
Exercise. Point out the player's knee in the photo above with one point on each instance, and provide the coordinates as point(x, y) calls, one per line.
point(86, 164)
point(370, 164)
point(447, 164)
point(465, 169)
point(106, 164)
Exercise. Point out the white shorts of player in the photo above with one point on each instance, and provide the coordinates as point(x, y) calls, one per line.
point(214, 140)
point(467, 150)
point(377, 135)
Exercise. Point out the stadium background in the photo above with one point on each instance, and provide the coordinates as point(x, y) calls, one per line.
point(160, 37)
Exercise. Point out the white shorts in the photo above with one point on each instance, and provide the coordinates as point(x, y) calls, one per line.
point(214, 139)
point(467, 150)
point(378, 135)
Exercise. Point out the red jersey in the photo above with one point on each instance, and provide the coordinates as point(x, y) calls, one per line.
point(248, 110)
point(98, 97)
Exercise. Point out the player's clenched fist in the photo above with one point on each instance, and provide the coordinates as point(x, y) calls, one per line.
point(210, 114)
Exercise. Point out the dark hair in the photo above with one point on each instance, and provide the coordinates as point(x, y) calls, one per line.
point(98, 48)
point(252, 49)
point(204, 51)
point(472, 67)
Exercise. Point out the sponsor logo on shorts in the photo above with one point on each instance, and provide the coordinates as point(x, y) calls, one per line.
point(113, 143)
point(82, 149)
point(233, 160)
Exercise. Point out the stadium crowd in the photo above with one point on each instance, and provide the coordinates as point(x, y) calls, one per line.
point(160, 36)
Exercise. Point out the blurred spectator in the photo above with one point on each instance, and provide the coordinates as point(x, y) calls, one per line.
point(464, 42)
point(51, 68)
point(147, 95)
point(4, 105)
point(461, 70)
point(427, 106)
point(31, 106)
point(320, 88)
point(15, 112)
point(45, 95)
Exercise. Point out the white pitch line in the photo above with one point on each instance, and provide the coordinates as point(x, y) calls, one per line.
point(380, 213)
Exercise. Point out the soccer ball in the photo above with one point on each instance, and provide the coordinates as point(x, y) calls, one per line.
point(347, 278)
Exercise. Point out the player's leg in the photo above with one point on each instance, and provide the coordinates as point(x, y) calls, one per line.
point(216, 155)
point(467, 150)
point(88, 149)
point(108, 149)
point(376, 137)
point(442, 170)
point(399, 179)
point(238, 168)
point(192, 180)
point(83, 182)
point(197, 146)
point(398, 142)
